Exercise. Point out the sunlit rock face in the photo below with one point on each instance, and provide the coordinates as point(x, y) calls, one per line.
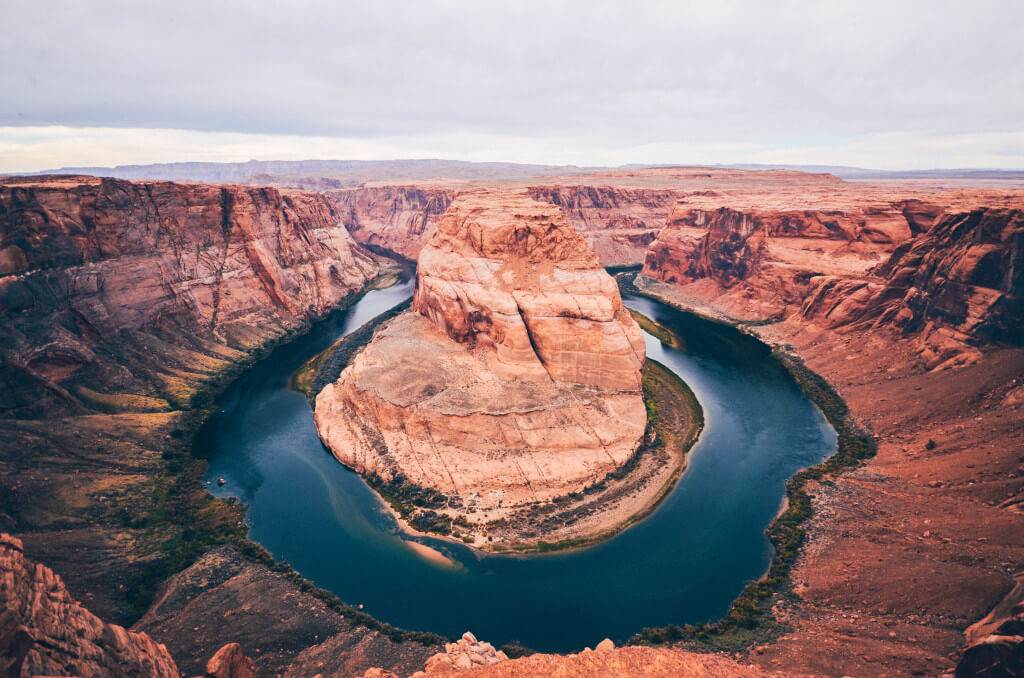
point(515, 377)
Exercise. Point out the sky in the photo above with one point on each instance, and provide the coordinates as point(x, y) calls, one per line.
point(891, 85)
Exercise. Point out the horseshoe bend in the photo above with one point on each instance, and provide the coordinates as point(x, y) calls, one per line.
point(158, 469)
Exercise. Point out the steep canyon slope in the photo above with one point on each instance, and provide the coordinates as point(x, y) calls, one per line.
point(918, 326)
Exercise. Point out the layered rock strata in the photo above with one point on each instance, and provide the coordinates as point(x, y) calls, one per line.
point(515, 378)
point(85, 260)
point(401, 219)
point(759, 263)
point(954, 288)
point(617, 222)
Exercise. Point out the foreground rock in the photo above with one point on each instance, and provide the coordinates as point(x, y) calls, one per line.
point(516, 378)
point(638, 662)
point(224, 599)
point(229, 662)
point(464, 654)
point(65, 638)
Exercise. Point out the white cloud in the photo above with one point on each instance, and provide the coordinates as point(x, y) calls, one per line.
point(583, 80)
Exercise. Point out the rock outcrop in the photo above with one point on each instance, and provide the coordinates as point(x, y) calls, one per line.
point(224, 600)
point(464, 654)
point(515, 378)
point(66, 638)
point(84, 260)
point(401, 219)
point(617, 222)
point(957, 286)
point(229, 662)
point(638, 662)
point(759, 263)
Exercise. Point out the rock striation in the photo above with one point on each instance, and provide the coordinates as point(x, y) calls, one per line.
point(957, 286)
point(85, 260)
point(617, 222)
point(516, 376)
point(759, 263)
point(67, 639)
point(401, 219)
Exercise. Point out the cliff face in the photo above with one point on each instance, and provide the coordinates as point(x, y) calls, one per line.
point(401, 219)
point(515, 378)
point(960, 284)
point(65, 637)
point(617, 222)
point(120, 304)
point(759, 263)
point(83, 260)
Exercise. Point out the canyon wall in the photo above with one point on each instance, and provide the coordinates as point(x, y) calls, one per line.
point(515, 378)
point(758, 263)
point(617, 222)
point(84, 260)
point(122, 304)
point(401, 219)
point(960, 284)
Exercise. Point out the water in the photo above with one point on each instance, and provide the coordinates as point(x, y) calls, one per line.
point(683, 564)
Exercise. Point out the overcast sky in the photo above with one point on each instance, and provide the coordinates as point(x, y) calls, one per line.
point(887, 84)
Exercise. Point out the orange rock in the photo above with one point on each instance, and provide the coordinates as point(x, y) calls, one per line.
point(229, 662)
point(516, 378)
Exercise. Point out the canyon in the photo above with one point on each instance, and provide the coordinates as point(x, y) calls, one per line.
point(125, 304)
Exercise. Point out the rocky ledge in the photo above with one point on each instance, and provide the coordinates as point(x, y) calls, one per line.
point(516, 378)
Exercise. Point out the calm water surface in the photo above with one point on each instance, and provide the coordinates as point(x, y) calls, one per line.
point(683, 564)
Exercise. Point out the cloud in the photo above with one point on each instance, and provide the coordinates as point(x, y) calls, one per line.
point(593, 78)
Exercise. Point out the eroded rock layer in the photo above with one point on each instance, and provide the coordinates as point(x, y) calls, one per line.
point(959, 285)
point(515, 378)
point(84, 260)
point(65, 638)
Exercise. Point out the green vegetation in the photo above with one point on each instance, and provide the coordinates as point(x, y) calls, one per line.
point(749, 618)
point(655, 329)
point(325, 367)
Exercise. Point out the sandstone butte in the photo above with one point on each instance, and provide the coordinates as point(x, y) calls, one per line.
point(516, 376)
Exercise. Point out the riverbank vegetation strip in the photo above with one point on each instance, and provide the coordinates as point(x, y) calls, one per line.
point(749, 619)
point(184, 521)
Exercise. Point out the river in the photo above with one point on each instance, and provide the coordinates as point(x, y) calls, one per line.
point(683, 564)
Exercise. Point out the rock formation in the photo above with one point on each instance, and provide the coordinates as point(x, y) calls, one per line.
point(229, 662)
point(636, 662)
point(83, 260)
point(959, 285)
point(617, 222)
point(464, 654)
point(758, 263)
point(401, 219)
point(515, 378)
point(66, 638)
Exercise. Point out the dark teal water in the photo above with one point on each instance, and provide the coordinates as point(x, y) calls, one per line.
point(683, 564)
